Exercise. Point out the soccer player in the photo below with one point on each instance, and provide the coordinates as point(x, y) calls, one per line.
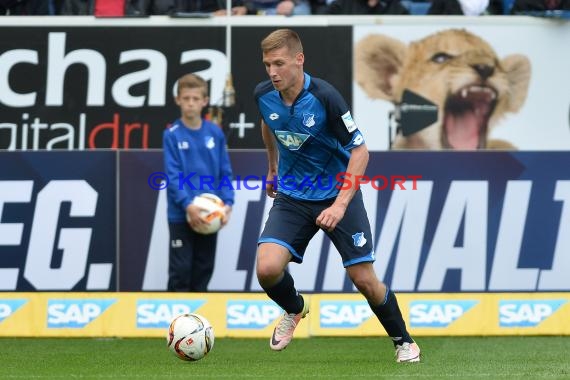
point(194, 149)
point(309, 132)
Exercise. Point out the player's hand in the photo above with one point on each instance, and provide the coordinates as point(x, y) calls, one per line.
point(329, 217)
point(270, 185)
point(193, 214)
point(227, 214)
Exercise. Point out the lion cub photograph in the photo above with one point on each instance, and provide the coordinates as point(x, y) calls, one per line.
point(459, 72)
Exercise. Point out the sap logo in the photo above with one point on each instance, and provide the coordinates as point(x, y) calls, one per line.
point(8, 307)
point(526, 313)
point(159, 313)
point(75, 313)
point(251, 314)
point(290, 140)
point(437, 313)
point(344, 314)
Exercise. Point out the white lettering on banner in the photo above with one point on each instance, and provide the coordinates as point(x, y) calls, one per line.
point(157, 313)
point(13, 192)
point(557, 277)
point(9, 307)
point(8, 60)
point(59, 61)
point(5, 311)
point(344, 314)
point(156, 272)
point(504, 273)
point(74, 242)
point(406, 215)
point(35, 128)
point(464, 210)
point(11, 233)
point(216, 73)
point(155, 75)
point(443, 315)
point(79, 314)
point(75, 313)
point(438, 313)
point(58, 64)
point(252, 314)
point(466, 204)
point(149, 313)
point(526, 313)
point(226, 275)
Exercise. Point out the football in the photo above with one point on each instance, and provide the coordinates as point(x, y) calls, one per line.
point(213, 212)
point(190, 337)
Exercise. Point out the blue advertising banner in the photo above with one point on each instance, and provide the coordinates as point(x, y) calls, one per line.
point(478, 222)
point(137, 216)
point(445, 221)
point(57, 221)
point(442, 222)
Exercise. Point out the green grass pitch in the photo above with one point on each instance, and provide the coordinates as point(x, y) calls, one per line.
point(314, 358)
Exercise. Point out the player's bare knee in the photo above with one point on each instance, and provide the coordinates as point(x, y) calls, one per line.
point(268, 272)
point(363, 285)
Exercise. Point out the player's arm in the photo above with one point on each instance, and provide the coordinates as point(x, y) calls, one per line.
point(272, 159)
point(356, 167)
point(329, 218)
point(344, 128)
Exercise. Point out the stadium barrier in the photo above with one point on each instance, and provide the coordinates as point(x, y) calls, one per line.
point(481, 246)
point(93, 221)
point(254, 315)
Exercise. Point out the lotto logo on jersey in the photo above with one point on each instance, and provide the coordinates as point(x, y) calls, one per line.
point(255, 315)
point(75, 313)
point(8, 307)
point(344, 314)
point(437, 313)
point(292, 141)
point(527, 313)
point(152, 314)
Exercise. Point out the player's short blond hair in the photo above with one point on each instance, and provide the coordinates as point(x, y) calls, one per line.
point(192, 81)
point(280, 38)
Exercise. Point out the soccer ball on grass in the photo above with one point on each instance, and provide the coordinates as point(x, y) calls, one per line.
point(190, 337)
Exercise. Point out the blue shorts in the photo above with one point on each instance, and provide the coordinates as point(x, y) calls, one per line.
point(292, 224)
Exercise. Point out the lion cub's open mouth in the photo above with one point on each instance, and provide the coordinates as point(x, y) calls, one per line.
point(466, 117)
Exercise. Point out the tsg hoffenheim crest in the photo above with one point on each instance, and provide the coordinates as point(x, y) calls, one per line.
point(308, 120)
point(359, 239)
point(210, 143)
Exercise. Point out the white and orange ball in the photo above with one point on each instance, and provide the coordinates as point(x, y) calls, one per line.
point(213, 210)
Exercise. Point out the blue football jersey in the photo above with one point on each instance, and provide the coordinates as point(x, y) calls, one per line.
point(314, 137)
